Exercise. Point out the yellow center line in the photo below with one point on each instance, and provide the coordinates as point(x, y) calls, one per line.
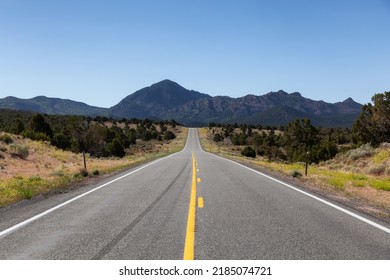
point(190, 233)
point(200, 202)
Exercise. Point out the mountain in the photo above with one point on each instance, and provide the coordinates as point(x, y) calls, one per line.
point(169, 100)
point(53, 106)
point(155, 101)
point(274, 108)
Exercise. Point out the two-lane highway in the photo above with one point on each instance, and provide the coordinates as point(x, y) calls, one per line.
point(192, 204)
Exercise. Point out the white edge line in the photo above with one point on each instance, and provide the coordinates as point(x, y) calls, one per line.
point(378, 226)
point(36, 217)
point(385, 229)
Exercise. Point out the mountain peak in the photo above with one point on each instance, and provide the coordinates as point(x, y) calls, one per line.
point(166, 82)
point(280, 92)
point(155, 100)
point(276, 93)
point(349, 100)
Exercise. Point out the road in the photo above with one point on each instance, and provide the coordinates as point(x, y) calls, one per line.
point(189, 205)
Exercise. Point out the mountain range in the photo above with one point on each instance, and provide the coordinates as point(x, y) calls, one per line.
point(169, 100)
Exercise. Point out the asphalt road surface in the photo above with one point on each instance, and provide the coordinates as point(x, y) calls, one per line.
point(189, 205)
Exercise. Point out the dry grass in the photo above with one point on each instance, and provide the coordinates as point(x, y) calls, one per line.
point(47, 168)
point(361, 173)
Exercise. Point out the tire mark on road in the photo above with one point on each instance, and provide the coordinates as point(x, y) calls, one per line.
point(106, 249)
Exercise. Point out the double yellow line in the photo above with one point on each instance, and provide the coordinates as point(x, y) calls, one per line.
point(190, 233)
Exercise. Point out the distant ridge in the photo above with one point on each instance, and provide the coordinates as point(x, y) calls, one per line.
point(169, 100)
point(53, 106)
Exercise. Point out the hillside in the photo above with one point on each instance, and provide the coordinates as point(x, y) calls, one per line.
point(29, 168)
point(167, 100)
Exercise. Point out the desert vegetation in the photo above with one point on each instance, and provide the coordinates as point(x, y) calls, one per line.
point(40, 154)
point(292, 143)
point(99, 136)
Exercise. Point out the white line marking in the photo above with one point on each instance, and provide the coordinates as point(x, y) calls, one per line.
point(378, 226)
point(36, 217)
point(385, 229)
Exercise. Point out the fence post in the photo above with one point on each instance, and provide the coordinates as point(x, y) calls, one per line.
point(307, 162)
point(85, 162)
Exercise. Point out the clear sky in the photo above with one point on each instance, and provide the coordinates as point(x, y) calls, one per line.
point(98, 52)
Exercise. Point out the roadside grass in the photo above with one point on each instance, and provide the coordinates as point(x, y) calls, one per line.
point(337, 176)
point(48, 168)
point(19, 187)
point(380, 184)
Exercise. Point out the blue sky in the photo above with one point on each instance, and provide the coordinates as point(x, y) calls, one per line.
point(98, 52)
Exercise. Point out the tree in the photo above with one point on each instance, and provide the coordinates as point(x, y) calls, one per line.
point(38, 124)
point(373, 123)
point(141, 132)
point(257, 142)
point(363, 126)
point(61, 140)
point(18, 126)
point(169, 135)
point(381, 115)
point(299, 137)
point(96, 137)
point(147, 136)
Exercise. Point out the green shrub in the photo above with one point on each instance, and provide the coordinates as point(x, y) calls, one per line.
point(377, 170)
point(248, 152)
point(217, 137)
point(83, 172)
point(6, 139)
point(34, 179)
point(116, 148)
point(338, 183)
point(26, 193)
point(296, 174)
point(19, 151)
point(95, 172)
point(364, 151)
point(380, 185)
point(383, 155)
point(33, 135)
